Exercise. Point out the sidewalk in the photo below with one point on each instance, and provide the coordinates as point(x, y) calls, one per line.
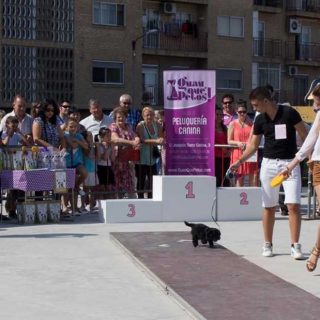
point(73, 270)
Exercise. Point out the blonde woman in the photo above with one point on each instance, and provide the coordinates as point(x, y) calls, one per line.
point(151, 135)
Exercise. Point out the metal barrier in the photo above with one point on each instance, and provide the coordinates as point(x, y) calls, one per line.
point(119, 194)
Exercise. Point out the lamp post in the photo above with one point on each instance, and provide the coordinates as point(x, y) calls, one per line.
point(133, 43)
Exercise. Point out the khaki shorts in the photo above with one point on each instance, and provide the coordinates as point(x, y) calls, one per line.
point(315, 168)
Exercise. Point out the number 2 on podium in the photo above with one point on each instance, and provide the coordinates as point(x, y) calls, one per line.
point(189, 187)
point(244, 199)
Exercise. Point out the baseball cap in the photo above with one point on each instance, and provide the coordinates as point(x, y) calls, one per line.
point(313, 85)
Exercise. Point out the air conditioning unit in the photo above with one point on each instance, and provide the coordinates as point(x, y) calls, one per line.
point(169, 7)
point(294, 26)
point(292, 70)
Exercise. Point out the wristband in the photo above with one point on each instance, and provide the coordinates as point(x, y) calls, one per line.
point(289, 171)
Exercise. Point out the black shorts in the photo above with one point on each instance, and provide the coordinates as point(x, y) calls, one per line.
point(105, 175)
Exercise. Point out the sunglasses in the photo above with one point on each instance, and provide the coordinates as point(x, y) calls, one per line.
point(49, 110)
point(242, 112)
point(227, 102)
point(65, 106)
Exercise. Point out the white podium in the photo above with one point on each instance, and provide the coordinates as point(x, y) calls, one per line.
point(236, 204)
point(175, 198)
point(186, 197)
point(192, 198)
point(130, 210)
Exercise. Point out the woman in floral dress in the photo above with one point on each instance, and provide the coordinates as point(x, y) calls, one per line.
point(124, 138)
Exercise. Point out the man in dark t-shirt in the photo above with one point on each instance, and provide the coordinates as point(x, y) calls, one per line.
point(278, 124)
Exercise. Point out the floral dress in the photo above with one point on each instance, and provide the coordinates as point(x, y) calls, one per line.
point(123, 171)
point(49, 132)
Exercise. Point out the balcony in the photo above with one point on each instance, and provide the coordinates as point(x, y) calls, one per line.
point(312, 6)
point(267, 48)
point(304, 52)
point(176, 41)
point(269, 3)
point(268, 6)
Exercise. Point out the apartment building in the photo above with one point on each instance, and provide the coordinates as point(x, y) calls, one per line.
point(76, 50)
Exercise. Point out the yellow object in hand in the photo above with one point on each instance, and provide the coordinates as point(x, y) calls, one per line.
point(277, 180)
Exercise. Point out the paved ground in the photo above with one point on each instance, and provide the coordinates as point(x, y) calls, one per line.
point(217, 283)
point(74, 271)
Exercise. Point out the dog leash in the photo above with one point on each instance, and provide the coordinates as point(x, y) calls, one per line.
point(212, 208)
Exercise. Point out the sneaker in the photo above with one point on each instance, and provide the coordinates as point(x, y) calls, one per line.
point(267, 250)
point(81, 193)
point(296, 251)
point(94, 210)
point(83, 210)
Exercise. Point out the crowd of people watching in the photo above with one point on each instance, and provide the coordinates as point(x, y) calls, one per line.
point(97, 147)
point(233, 129)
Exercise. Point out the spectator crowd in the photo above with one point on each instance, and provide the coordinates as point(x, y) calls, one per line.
point(114, 155)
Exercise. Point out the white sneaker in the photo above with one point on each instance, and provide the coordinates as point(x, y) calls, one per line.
point(296, 251)
point(267, 250)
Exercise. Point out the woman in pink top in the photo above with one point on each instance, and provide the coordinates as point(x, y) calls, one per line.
point(238, 135)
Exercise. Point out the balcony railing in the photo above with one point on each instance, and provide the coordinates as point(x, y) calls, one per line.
point(303, 51)
point(269, 3)
point(303, 5)
point(269, 48)
point(176, 42)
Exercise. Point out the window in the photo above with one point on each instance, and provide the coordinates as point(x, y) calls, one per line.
point(107, 72)
point(36, 73)
point(229, 79)
point(150, 84)
point(31, 20)
point(230, 26)
point(108, 14)
point(269, 73)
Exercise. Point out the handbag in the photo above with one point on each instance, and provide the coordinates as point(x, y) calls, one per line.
point(155, 151)
point(128, 154)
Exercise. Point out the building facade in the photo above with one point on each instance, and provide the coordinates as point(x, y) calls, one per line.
point(76, 50)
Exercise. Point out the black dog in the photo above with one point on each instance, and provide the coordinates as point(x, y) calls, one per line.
point(203, 233)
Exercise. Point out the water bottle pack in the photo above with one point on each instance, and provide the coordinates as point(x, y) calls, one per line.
point(27, 159)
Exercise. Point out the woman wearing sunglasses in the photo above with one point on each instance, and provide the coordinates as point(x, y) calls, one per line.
point(238, 135)
point(45, 129)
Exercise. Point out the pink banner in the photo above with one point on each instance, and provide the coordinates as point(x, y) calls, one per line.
point(189, 102)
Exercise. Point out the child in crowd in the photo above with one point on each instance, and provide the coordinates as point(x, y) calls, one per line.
point(105, 160)
point(76, 144)
point(12, 136)
point(91, 180)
